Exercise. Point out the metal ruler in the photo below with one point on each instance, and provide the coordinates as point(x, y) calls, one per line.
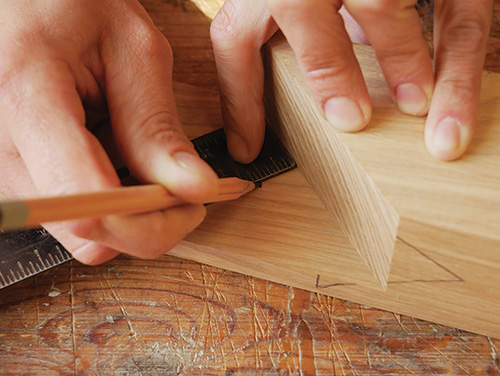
point(29, 252)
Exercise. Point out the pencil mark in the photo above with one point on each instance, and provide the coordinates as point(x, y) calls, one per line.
point(458, 278)
point(424, 281)
point(318, 286)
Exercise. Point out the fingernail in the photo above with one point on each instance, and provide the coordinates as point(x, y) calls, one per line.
point(195, 164)
point(411, 99)
point(448, 135)
point(344, 114)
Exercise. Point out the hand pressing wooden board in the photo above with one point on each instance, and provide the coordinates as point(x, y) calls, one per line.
point(446, 261)
point(274, 231)
point(385, 190)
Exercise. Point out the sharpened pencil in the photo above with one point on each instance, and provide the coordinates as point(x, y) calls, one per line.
point(19, 214)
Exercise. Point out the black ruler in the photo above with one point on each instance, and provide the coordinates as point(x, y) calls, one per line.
point(29, 252)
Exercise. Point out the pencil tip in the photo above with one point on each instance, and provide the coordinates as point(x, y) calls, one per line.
point(258, 184)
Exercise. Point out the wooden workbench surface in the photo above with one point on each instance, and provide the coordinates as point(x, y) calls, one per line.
point(169, 316)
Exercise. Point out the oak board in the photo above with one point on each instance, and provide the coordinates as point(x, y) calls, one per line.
point(446, 258)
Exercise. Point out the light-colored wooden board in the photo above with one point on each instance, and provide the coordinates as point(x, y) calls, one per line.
point(159, 316)
point(446, 262)
point(446, 212)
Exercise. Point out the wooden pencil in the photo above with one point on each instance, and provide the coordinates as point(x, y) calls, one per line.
point(18, 214)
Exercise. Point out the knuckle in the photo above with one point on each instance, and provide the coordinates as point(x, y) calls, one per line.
point(465, 33)
point(158, 119)
point(222, 26)
point(162, 126)
point(150, 42)
point(236, 26)
point(404, 62)
point(227, 30)
point(329, 75)
point(323, 81)
point(322, 68)
point(396, 58)
point(461, 87)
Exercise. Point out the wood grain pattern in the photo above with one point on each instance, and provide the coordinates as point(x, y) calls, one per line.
point(367, 218)
point(444, 210)
point(172, 317)
point(191, 319)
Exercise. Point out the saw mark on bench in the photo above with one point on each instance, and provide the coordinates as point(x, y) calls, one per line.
point(72, 319)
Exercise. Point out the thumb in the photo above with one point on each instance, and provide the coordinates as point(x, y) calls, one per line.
point(144, 117)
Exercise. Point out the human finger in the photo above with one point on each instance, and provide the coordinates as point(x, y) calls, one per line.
point(146, 236)
point(51, 151)
point(238, 32)
point(63, 157)
point(16, 182)
point(393, 29)
point(74, 236)
point(137, 70)
point(324, 52)
point(86, 251)
point(461, 31)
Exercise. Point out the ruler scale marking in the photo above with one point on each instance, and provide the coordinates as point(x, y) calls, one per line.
point(30, 252)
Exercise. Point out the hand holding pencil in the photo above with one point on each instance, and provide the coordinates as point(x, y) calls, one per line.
point(46, 149)
point(18, 214)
